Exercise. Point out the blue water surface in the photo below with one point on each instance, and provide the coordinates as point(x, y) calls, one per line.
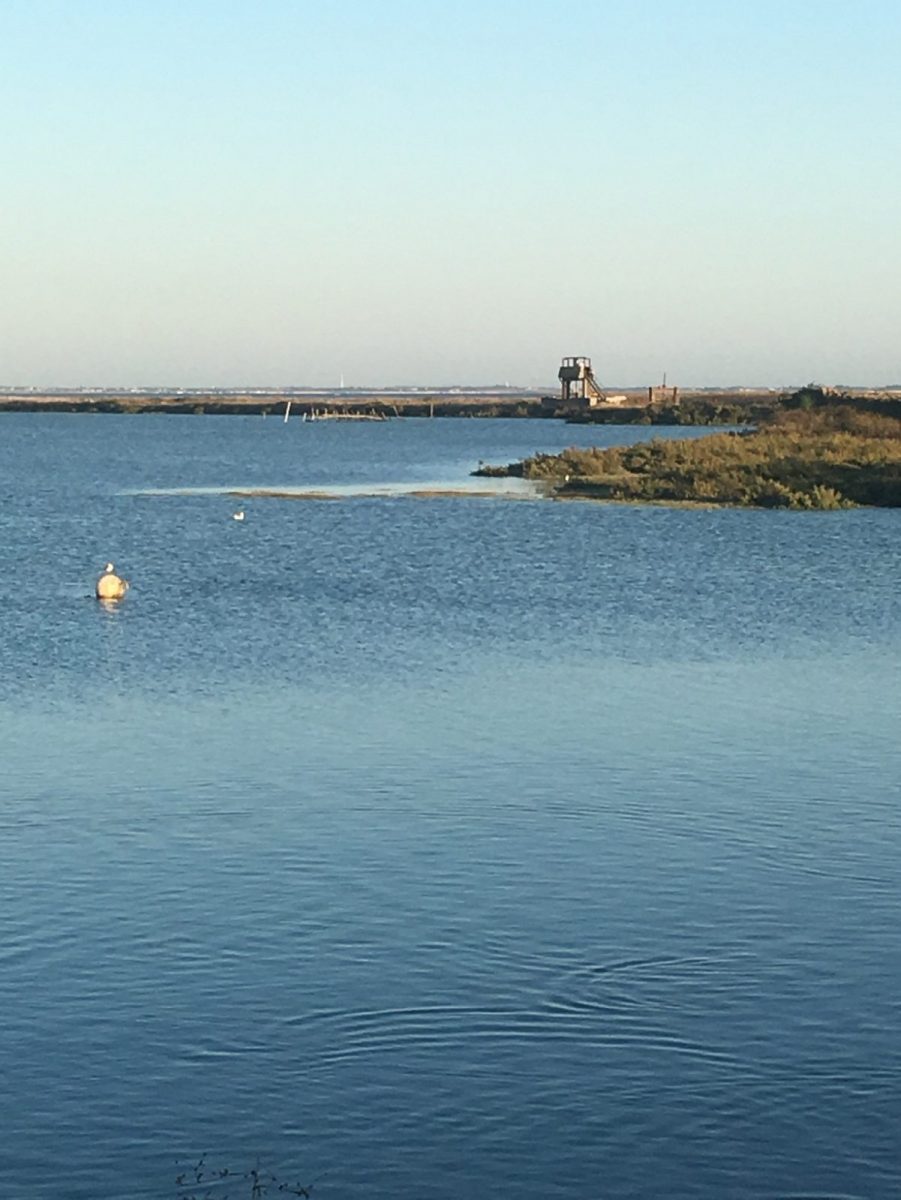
point(438, 847)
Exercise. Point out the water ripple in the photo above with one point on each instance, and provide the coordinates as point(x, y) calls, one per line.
point(390, 1032)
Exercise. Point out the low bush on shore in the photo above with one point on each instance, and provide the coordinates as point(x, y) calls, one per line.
point(806, 458)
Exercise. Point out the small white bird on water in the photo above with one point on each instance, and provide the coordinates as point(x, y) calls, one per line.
point(110, 586)
point(239, 515)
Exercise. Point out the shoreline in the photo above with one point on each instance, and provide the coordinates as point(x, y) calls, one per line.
point(822, 457)
point(315, 406)
point(701, 407)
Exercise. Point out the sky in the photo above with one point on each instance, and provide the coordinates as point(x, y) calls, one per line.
point(424, 192)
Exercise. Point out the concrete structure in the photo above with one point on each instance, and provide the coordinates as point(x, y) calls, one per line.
point(578, 386)
point(663, 395)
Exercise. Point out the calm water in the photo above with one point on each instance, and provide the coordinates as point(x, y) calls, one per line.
point(439, 848)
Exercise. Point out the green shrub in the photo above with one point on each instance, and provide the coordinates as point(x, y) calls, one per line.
point(822, 458)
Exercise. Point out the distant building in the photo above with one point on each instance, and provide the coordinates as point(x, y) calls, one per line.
point(580, 391)
point(578, 386)
point(663, 395)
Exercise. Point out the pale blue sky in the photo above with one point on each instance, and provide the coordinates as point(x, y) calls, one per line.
point(217, 192)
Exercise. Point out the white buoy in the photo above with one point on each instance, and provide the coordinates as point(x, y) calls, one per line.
point(239, 515)
point(110, 586)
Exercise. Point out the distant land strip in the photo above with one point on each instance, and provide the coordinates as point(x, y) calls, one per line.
point(702, 406)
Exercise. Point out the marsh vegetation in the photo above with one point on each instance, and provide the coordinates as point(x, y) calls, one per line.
point(813, 457)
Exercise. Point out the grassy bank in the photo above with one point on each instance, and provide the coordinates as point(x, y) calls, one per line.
point(823, 458)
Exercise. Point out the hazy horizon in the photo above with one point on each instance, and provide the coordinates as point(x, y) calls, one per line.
point(199, 194)
point(548, 387)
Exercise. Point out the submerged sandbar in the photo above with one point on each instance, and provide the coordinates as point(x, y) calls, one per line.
point(381, 493)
